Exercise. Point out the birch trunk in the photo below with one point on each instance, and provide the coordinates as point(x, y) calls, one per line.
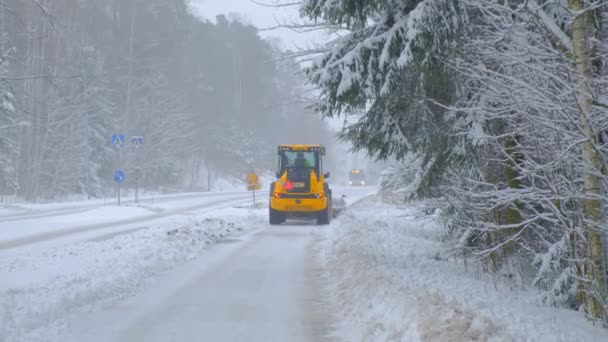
point(592, 206)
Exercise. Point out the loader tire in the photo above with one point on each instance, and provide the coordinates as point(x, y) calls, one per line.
point(326, 215)
point(275, 217)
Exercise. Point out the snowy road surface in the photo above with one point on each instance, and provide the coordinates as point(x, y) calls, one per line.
point(34, 211)
point(255, 288)
point(53, 224)
point(195, 270)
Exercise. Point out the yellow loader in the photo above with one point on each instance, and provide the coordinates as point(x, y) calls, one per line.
point(300, 190)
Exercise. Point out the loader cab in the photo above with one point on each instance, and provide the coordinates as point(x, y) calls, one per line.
point(294, 159)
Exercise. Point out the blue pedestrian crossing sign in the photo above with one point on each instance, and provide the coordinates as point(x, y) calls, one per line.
point(118, 140)
point(119, 176)
point(137, 141)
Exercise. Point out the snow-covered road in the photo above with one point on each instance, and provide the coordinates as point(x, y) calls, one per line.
point(89, 221)
point(20, 212)
point(208, 269)
point(260, 286)
point(257, 287)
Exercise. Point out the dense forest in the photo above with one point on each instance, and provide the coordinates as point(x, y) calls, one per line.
point(503, 106)
point(205, 96)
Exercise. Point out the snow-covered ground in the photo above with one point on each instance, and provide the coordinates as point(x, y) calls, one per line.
point(42, 289)
point(13, 205)
point(50, 225)
point(219, 272)
point(212, 268)
point(388, 280)
point(24, 210)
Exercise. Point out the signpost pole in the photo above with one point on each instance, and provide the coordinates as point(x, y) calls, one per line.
point(118, 146)
point(118, 141)
point(119, 165)
point(119, 178)
point(254, 184)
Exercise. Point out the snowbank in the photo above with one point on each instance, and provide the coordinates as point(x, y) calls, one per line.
point(39, 290)
point(386, 273)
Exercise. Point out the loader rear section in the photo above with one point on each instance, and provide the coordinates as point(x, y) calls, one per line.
point(300, 191)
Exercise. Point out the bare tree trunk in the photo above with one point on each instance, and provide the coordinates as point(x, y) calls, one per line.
point(128, 104)
point(592, 207)
point(28, 134)
point(46, 67)
point(512, 176)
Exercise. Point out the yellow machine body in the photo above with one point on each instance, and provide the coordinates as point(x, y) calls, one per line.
point(300, 191)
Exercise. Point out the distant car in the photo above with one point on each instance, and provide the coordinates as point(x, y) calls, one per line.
point(356, 178)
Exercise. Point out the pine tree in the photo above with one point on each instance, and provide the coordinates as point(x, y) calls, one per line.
point(389, 68)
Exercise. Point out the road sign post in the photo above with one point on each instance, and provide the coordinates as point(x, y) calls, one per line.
point(118, 141)
point(253, 182)
point(119, 178)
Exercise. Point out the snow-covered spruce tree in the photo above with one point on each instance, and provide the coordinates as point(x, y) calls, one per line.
point(509, 155)
point(401, 177)
point(388, 67)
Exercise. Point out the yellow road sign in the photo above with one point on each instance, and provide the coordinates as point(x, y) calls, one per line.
point(253, 179)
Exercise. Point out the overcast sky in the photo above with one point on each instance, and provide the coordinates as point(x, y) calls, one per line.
point(261, 17)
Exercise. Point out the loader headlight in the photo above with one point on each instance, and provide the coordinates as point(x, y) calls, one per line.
point(277, 195)
point(319, 195)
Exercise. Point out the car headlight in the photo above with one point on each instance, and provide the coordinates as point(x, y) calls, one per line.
point(362, 182)
point(350, 183)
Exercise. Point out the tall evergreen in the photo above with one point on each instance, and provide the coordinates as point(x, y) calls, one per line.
point(503, 103)
point(388, 69)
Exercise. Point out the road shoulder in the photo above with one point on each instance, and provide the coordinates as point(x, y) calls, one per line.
point(390, 279)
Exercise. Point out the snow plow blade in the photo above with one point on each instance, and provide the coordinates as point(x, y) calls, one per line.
point(339, 205)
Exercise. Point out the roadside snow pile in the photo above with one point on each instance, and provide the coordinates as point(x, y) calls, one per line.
point(39, 290)
point(203, 232)
point(387, 276)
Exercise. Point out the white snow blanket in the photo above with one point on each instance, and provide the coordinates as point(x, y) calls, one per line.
point(389, 282)
point(41, 289)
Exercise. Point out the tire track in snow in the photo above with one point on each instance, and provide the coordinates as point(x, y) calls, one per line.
point(56, 234)
point(37, 213)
